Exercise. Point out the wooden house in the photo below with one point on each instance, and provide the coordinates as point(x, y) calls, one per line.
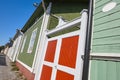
point(14, 48)
point(53, 21)
point(54, 40)
point(105, 47)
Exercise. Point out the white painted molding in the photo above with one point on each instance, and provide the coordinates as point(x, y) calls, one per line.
point(41, 44)
point(81, 44)
point(65, 26)
point(61, 22)
point(32, 41)
point(105, 56)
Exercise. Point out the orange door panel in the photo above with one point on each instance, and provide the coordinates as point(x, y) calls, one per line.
point(64, 76)
point(68, 51)
point(50, 52)
point(46, 73)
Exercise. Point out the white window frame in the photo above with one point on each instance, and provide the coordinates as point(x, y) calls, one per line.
point(23, 45)
point(32, 40)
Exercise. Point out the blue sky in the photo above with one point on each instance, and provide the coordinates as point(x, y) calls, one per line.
point(13, 15)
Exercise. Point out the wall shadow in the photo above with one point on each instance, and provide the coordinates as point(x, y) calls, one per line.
point(3, 60)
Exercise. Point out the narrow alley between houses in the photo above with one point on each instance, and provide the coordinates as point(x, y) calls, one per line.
point(8, 70)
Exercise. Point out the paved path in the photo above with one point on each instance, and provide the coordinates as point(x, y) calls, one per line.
point(5, 69)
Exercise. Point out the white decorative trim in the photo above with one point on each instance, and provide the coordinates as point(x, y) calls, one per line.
point(109, 6)
point(16, 51)
point(26, 66)
point(61, 22)
point(56, 58)
point(23, 43)
point(106, 54)
point(66, 69)
point(32, 41)
point(89, 75)
point(81, 45)
point(66, 35)
point(20, 45)
point(65, 26)
point(50, 64)
point(41, 45)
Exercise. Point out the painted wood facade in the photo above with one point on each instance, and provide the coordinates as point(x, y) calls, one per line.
point(106, 41)
point(46, 45)
point(54, 57)
point(14, 48)
point(33, 42)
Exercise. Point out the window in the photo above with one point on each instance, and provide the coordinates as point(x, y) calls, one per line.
point(32, 40)
point(23, 43)
point(109, 6)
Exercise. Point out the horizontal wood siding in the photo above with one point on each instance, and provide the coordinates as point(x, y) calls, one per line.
point(25, 57)
point(67, 11)
point(106, 28)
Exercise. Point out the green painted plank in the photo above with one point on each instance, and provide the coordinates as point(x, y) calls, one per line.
point(99, 6)
point(53, 22)
point(108, 40)
point(101, 70)
point(93, 70)
point(104, 2)
point(114, 48)
point(25, 57)
point(109, 25)
point(106, 29)
point(107, 18)
point(98, 70)
point(111, 71)
point(103, 14)
point(68, 11)
point(107, 33)
point(101, 3)
point(118, 70)
point(97, 1)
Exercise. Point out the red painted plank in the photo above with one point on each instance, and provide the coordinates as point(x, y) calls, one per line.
point(64, 76)
point(68, 51)
point(46, 73)
point(50, 52)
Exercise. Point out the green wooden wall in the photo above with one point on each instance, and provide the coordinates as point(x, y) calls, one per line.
point(25, 57)
point(106, 28)
point(105, 70)
point(106, 39)
point(67, 11)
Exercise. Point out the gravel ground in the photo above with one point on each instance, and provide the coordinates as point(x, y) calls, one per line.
point(6, 70)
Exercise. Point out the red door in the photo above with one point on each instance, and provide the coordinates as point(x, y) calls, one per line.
point(62, 59)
